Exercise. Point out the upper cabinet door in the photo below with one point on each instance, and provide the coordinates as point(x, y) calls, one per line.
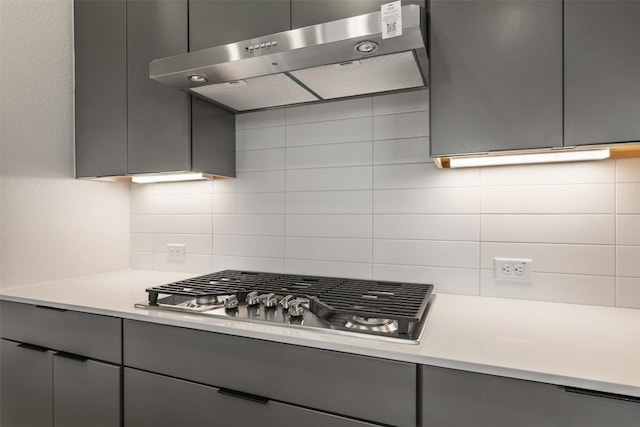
point(496, 75)
point(602, 71)
point(100, 87)
point(217, 22)
point(311, 12)
point(159, 118)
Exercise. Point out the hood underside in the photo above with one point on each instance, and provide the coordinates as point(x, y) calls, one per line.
point(309, 64)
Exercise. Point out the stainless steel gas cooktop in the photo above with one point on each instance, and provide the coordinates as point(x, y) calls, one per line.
point(395, 311)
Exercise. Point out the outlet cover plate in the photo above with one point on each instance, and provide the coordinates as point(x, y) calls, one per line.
point(176, 252)
point(513, 269)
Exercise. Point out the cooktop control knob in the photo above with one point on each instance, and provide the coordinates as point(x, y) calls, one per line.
point(252, 298)
point(231, 302)
point(285, 301)
point(296, 309)
point(270, 300)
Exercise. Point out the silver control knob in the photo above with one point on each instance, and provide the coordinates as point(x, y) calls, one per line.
point(296, 309)
point(270, 300)
point(231, 302)
point(252, 298)
point(285, 301)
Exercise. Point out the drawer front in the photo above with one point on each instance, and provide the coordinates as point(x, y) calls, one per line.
point(158, 401)
point(361, 387)
point(95, 336)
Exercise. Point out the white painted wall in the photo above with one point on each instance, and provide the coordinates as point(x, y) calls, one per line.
point(348, 189)
point(52, 226)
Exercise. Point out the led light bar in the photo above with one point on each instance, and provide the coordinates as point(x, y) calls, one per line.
point(528, 158)
point(173, 177)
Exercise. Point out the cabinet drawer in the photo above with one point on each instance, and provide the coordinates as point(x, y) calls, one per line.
point(156, 401)
point(95, 336)
point(361, 387)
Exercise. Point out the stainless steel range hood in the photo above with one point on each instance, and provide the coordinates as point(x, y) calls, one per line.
point(337, 59)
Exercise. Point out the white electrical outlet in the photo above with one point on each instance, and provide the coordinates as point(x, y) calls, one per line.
point(513, 269)
point(176, 252)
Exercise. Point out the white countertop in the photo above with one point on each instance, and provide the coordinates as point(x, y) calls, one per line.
point(575, 345)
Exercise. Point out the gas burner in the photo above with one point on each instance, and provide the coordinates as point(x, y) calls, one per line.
point(372, 324)
point(206, 300)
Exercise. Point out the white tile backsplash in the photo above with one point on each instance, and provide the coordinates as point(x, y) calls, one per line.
point(347, 189)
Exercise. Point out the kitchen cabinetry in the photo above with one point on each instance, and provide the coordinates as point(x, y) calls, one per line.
point(457, 398)
point(601, 71)
point(496, 75)
point(59, 367)
point(351, 386)
point(306, 12)
point(125, 122)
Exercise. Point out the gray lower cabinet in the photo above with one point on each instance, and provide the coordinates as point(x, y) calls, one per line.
point(601, 71)
point(496, 75)
point(452, 398)
point(353, 386)
point(158, 401)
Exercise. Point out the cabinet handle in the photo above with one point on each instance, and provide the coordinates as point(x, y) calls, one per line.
point(602, 394)
point(71, 356)
point(44, 307)
point(33, 347)
point(242, 395)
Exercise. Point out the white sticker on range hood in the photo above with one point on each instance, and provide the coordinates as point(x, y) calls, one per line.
point(370, 75)
point(256, 93)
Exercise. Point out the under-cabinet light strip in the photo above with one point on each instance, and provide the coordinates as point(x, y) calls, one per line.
point(147, 179)
point(518, 159)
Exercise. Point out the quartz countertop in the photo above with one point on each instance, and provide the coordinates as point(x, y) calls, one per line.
point(581, 346)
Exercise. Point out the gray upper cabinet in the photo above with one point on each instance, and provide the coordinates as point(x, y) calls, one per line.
point(602, 71)
point(496, 75)
point(311, 12)
point(100, 87)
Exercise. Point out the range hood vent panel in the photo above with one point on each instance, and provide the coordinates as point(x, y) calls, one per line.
point(306, 54)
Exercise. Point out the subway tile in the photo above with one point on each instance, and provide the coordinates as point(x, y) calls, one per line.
point(628, 170)
point(250, 246)
point(193, 263)
point(270, 265)
point(600, 172)
point(628, 198)
point(186, 187)
point(141, 190)
point(350, 226)
point(428, 253)
point(141, 260)
point(142, 242)
point(427, 201)
point(260, 119)
point(463, 281)
point(331, 155)
point(404, 150)
point(183, 224)
point(628, 292)
point(141, 223)
point(329, 249)
point(254, 225)
point(260, 160)
point(427, 227)
point(554, 258)
point(329, 132)
point(251, 182)
point(628, 229)
point(343, 178)
point(359, 107)
point(628, 261)
point(566, 288)
point(404, 125)
point(352, 270)
point(194, 243)
point(422, 175)
point(548, 199)
point(572, 229)
point(248, 203)
point(403, 102)
point(142, 205)
point(330, 202)
point(260, 138)
point(182, 204)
